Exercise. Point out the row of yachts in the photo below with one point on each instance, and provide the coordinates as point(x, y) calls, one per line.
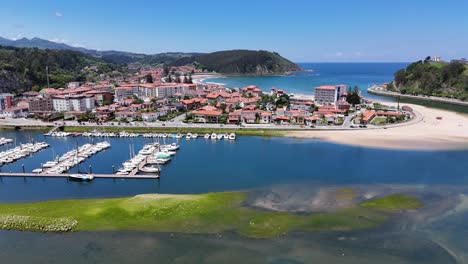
point(72, 158)
point(21, 151)
point(123, 134)
point(149, 159)
point(4, 141)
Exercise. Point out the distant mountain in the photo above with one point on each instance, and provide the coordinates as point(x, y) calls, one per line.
point(227, 62)
point(247, 62)
point(112, 56)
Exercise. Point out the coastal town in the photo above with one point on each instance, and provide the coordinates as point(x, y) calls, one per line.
point(176, 98)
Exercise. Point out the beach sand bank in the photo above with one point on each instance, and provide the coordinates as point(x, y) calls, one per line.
point(424, 133)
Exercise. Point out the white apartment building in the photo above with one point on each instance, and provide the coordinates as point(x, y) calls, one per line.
point(73, 103)
point(163, 90)
point(329, 94)
point(124, 92)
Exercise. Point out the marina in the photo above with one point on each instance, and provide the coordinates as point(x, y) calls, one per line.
point(123, 134)
point(64, 175)
point(71, 158)
point(22, 151)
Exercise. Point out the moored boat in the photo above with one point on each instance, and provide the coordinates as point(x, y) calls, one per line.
point(81, 177)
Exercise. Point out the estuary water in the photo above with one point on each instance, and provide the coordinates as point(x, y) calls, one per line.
point(294, 170)
point(250, 162)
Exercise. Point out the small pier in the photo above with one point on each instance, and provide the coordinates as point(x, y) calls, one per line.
point(73, 158)
point(150, 149)
point(62, 175)
point(22, 151)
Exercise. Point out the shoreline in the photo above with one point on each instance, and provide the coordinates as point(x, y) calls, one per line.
point(374, 90)
point(425, 132)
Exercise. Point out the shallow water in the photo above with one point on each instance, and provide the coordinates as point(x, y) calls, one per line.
point(134, 247)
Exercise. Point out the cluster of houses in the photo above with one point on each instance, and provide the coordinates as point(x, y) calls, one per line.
point(145, 96)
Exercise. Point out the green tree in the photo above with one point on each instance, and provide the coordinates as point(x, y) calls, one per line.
point(283, 100)
point(149, 78)
point(353, 97)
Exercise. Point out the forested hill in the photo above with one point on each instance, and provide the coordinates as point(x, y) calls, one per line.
point(241, 62)
point(433, 78)
point(22, 69)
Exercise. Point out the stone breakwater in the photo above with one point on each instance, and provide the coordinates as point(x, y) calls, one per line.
point(41, 224)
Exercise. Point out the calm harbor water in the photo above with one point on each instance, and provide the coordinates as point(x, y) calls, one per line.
point(249, 162)
point(293, 166)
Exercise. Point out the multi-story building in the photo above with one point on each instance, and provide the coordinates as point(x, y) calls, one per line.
point(126, 91)
point(101, 97)
point(73, 85)
point(163, 90)
point(329, 94)
point(6, 101)
point(37, 104)
point(63, 103)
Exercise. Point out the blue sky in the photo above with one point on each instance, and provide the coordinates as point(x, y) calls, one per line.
point(301, 30)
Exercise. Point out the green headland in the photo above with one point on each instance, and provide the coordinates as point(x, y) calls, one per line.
point(193, 214)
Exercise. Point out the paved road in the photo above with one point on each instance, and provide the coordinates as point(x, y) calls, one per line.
point(179, 124)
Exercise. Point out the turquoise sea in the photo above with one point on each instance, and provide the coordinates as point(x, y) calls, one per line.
point(362, 75)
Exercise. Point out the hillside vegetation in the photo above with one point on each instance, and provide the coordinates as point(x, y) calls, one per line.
point(22, 69)
point(241, 62)
point(433, 78)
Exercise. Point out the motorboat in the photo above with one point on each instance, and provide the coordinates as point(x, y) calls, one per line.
point(188, 136)
point(171, 147)
point(232, 136)
point(213, 136)
point(149, 169)
point(207, 136)
point(81, 177)
point(220, 136)
point(168, 152)
point(194, 136)
point(225, 136)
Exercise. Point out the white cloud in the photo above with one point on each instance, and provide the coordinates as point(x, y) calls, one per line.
point(339, 54)
point(357, 53)
point(17, 37)
point(58, 14)
point(58, 40)
point(78, 45)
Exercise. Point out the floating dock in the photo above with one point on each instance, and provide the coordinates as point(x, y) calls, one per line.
point(62, 175)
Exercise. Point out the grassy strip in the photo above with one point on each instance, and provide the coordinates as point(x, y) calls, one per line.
point(203, 214)
point(41, 128)
point(240, 131)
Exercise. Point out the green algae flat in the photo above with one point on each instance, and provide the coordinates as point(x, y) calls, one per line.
point(393, 202)
point(196, 214)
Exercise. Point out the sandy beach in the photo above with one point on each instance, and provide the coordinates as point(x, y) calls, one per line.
point(426, 132)
point(200, 77)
